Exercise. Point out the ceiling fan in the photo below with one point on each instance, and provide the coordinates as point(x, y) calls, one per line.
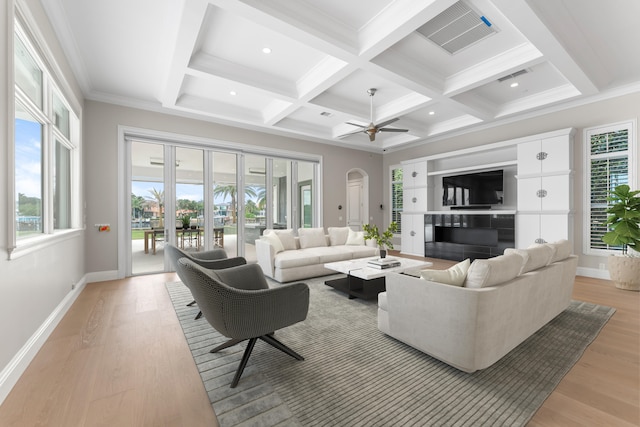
point(371, 129)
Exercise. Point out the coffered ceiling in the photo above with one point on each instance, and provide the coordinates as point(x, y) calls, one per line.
point(439, 66)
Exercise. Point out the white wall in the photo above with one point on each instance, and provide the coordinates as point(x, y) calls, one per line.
point(598, 113)
point(33, 286)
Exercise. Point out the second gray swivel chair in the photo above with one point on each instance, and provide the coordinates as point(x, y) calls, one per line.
point(214, 259)
point(239, 304)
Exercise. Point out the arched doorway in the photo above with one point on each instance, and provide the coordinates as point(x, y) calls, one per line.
point(357, 199)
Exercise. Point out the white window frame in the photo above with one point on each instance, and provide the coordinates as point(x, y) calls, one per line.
point(391, 208)
point(632, 162)
point(53, 82)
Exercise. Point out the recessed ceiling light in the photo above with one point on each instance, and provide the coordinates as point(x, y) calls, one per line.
point(266, 50)
point(514, 84)
point(431, 113)
point(232, 93)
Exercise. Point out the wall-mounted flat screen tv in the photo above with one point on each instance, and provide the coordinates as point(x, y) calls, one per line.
point(473, 189)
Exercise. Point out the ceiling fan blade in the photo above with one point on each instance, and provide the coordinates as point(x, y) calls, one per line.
point(387, 122)
point(393, 130)
point(351, 133)
point(356, 124)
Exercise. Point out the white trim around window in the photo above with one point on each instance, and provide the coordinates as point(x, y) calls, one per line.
point(612, 158)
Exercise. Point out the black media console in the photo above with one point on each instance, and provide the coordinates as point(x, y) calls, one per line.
point(457, 236)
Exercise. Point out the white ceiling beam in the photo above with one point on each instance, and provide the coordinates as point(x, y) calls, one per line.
point(190, 24)
point(523, 56)
point(207, 66)
point(529, 24)
point(396, 22)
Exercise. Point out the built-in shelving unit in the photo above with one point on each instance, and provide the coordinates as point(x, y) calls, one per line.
point(532, 214)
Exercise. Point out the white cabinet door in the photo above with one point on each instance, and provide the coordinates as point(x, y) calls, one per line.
point(557, 154)
point(528, 189)
point(414, 174)
point(555, 193)
point(550, 193)
point(555, 227)
point(541, 228)
point(546, 156)
point(412, 234)
point(528, 163)
point(414, 199)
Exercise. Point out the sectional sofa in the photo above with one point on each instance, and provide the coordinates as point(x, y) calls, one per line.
point(500, 303)
point(285, 256)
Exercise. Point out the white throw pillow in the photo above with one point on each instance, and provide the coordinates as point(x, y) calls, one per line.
point(271, 238)
point(493, 271)
point(287, 238)
point(338, 235)
point(562, 250)
point(454, 275)
point(311, 237)
point(533, 258)
point(355, 238)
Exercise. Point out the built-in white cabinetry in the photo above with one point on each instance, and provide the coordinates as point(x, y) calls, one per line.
point(538, 182)
point(547, 227)
point(414, 199)
point(413, 234)
point(545, 182)
point(415, 195)
point(414, 174)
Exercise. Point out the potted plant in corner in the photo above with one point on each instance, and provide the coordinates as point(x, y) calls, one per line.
point(383, 240)
point(624, 225)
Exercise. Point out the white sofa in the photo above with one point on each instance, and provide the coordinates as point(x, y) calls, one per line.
point(498, 307)
point(285, 257)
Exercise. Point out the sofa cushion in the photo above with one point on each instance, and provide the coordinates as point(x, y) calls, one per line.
point(299, 258)
point(273, 239)
point(287, 238)
point(361, 251)
point(533, 258)
point(550, 250)
point(454, 275)
point(562, 250)
point(338, 235)
point(493, 271)
point(355, 238)
point(311, 237)
point(331, 253)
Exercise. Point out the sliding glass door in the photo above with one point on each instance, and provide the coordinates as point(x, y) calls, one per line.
point(200, 198)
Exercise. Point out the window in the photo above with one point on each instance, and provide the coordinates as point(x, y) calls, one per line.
point(396, 196)
point(45, 150)
point(609, 164)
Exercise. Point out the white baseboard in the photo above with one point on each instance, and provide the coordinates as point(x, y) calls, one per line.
point(16, 367)
point(101, 276)
point(593, 272)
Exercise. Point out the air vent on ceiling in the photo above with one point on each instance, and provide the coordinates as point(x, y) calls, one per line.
point(457, 27)
point(513, 75)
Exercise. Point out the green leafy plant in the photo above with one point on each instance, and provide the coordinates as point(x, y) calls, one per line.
point(186, 221)
point(383, 240)
point(624, 218)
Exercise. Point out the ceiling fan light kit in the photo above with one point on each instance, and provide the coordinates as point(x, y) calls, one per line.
point(372, 129)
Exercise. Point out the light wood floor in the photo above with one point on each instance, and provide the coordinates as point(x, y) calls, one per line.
point(119, 358)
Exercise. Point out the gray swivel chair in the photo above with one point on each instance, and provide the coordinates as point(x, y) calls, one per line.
point(239, 304)
point(214, 259)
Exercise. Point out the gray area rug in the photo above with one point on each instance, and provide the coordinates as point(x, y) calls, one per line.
point(354, 375)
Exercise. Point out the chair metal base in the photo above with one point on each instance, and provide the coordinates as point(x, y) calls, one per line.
point(199, 315)
point(269, 339)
